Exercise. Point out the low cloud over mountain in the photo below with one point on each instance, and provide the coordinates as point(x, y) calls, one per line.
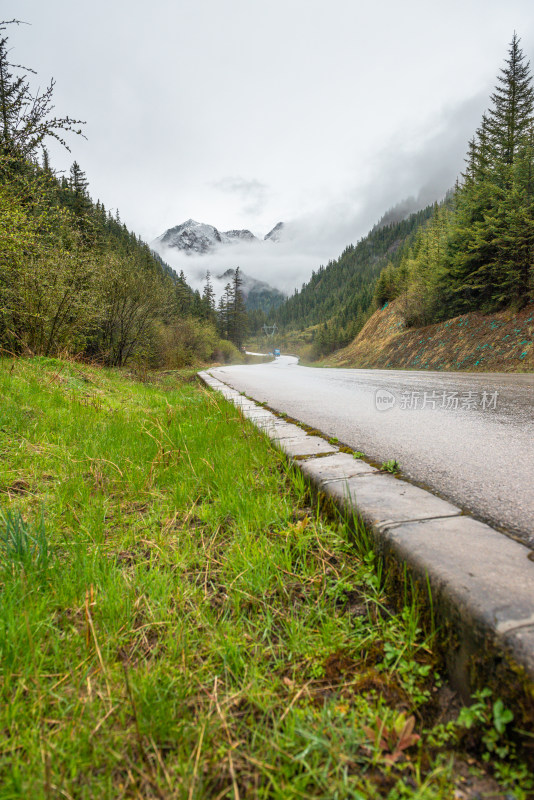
point(283, 258)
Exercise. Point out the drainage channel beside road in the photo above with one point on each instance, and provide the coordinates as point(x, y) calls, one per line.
point(481, 582)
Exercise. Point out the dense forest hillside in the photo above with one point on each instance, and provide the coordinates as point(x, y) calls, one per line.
point(476, 254)
point(73, 279)
point(340, 295)
point(473, 252)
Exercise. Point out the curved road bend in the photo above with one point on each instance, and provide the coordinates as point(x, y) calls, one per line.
point(467, 436)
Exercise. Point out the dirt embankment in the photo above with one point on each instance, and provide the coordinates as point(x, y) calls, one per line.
point(502, 342)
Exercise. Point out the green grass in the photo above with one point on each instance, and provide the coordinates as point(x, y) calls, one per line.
point(177, 620)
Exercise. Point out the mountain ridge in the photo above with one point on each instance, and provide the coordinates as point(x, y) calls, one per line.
point(198, 238)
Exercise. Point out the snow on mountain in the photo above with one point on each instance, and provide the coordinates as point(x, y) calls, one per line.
point(240, 236)
point(196, 248)
point(197, 238)
point(191, 236)
point(276, 233)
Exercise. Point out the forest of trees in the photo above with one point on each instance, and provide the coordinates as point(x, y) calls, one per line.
point(73, 279)
point(339, 297)
point(472, 251)
point(232, 316)
point(477, 251)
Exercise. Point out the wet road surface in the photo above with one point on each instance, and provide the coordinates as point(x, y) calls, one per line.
point(467, 436)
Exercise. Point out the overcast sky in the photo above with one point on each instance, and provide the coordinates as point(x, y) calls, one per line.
point(242, 113)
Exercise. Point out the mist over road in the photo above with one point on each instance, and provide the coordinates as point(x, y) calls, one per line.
point(466, 436)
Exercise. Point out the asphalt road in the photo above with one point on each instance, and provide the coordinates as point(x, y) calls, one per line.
point(467, 436)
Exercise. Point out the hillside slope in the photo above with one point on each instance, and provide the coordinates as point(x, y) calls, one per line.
point(341, 293)
point(500, 342)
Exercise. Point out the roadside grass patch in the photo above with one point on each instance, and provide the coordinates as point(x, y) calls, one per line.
point(177, 620)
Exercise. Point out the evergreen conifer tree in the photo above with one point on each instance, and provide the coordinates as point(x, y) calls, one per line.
point(491, 244)
point(182, 295)
point(238, 320)
point(510, 117)
point(224, 312)
point(208, 297)
point(78, 201)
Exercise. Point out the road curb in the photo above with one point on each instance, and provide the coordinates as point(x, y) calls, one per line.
point(481, 582)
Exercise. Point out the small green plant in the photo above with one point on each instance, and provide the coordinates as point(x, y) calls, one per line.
point(358, 454)
point(338, 591)
point(392, 740)
point(19, 544)
point(412, 673)
point(492, 719)
point(333, 440)
point(477, 711)
point(501, 716)
point(392, 466)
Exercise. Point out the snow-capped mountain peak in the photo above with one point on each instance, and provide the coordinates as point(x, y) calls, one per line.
point(198, 238)
point(276, 234)
point(240, 236)
point(191, 236)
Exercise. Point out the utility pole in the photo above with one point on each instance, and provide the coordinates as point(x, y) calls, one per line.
point(270, 330)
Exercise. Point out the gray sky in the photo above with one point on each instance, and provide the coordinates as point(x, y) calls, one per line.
point(242, 113)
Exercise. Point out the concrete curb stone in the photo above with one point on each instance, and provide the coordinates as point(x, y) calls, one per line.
point(284, 430)
point(305, 446)
point(482, 582)
point(339, 467)
point(382, 499)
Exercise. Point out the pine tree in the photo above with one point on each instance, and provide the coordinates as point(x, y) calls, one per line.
point(78, 185)
point(208, 297)
point(510, 117)
point(224, 312)
point(512, 227)
point(491, 240)
point(78, 201)
point(46, 162)
point(182, 296)
point(238, 320)
point(232, 317)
